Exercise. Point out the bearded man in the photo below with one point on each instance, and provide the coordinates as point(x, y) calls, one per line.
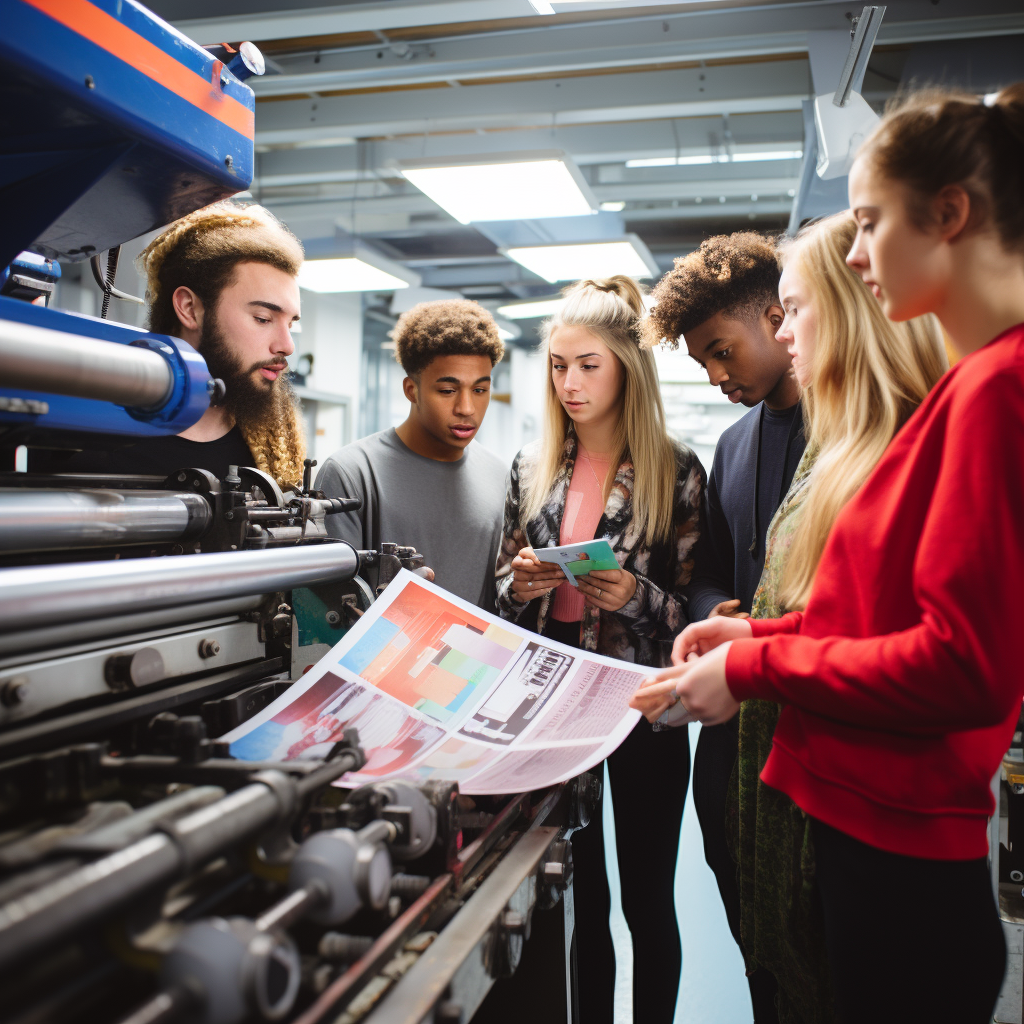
point(224, 280)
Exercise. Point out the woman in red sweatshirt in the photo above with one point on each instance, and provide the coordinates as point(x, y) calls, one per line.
point(901, 682)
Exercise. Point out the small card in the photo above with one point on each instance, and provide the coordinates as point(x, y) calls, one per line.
point(579, 559)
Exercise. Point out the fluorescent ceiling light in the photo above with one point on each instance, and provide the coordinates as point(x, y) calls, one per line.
point(507, 330)
point(347, 274)
point(359, 269)
point(613, 207)
point(570, 262)
point(512, 186)
point(707, 158)
point(542, 7)
point(673, 161)
point(773, 154)
point(528, 310)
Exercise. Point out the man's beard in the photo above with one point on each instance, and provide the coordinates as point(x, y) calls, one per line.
point(249, 398)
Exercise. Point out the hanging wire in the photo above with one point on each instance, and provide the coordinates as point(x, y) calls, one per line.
point(105, 280)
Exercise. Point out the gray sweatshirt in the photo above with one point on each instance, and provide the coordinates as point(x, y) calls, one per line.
point(449, 511)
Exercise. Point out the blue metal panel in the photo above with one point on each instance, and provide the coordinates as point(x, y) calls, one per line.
point(95, 151)
point(188, 400)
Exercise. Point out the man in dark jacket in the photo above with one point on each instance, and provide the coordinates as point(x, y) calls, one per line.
point(722, 302)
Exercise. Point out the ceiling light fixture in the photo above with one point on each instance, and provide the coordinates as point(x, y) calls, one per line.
point(358, 269)
point(708, 158)
point(560, 261)
point(614, 207)
point(676, 161)
point(504, 186)
point(773, 154)
point(529, 310)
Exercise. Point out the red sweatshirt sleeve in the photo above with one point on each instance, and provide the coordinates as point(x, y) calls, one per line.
point(959, 668)
point(789, 623)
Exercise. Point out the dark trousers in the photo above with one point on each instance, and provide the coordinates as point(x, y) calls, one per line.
point(907, 938)
point(717, 747)
point(648, 776)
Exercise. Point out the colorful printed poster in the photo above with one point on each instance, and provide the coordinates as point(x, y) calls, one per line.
point(440, 690)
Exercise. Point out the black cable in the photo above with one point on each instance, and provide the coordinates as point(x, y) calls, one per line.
point(112, 257)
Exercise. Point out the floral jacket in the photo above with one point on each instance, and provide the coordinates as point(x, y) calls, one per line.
point(642, 630)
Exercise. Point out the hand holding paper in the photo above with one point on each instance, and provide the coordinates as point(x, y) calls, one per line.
point(700, 684)
point(658, 701)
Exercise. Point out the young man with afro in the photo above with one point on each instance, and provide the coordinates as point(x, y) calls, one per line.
point(423, 483)
point(722, 302)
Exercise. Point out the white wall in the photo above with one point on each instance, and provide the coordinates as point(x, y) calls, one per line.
point(332, 332)
point(509, 426)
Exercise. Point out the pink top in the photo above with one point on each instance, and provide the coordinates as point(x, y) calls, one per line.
point(584, 506)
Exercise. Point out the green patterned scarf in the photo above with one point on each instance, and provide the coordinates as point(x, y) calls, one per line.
point(770, 836)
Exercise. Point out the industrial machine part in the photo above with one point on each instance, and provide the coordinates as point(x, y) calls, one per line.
point(123, 125)
point(1006, 843)
point(145, 874)
point(114, 124)
point(30, 277)
point(69, 373)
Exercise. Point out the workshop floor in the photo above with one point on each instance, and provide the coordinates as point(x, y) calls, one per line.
point(713, 988)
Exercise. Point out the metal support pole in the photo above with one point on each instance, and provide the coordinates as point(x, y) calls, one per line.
point(868, 24)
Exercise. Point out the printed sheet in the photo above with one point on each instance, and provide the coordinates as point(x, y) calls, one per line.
point(441, 690)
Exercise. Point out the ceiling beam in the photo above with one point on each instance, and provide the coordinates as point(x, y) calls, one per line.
point(588, 144)
point(286, 23)
point(690, 92)
point(763, 30)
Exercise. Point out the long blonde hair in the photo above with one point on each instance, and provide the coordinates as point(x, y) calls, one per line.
point(610, 309)
point(868, 376)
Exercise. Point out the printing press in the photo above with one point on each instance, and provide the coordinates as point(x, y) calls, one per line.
point(145, 874)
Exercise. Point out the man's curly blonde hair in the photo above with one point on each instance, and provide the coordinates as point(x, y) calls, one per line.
point(200, 252)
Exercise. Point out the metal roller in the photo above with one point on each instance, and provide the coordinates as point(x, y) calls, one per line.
point(40, 595)
point(41, 520)
point(39, 359)
point(34, 920)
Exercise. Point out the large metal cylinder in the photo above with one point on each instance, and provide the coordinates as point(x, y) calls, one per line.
point(74, 592)
point(43, 520)
point(38, 359)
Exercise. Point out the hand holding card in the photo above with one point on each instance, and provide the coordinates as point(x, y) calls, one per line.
point(579, 559)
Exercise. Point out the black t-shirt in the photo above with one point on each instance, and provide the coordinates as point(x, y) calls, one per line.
point(154, 456)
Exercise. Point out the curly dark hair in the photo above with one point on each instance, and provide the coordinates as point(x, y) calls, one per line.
point(447, 327)
point(736, 274)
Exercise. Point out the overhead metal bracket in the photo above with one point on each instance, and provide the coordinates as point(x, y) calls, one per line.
point(864, 33)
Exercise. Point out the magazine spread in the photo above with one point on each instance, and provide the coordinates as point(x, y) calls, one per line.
point(441, 690)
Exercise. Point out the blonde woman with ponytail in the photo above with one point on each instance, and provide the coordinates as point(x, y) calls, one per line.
point(606, 467)
point(861, 378)
point(900, 682)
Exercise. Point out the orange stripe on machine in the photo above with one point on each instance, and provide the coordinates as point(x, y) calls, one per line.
point(108, 33)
